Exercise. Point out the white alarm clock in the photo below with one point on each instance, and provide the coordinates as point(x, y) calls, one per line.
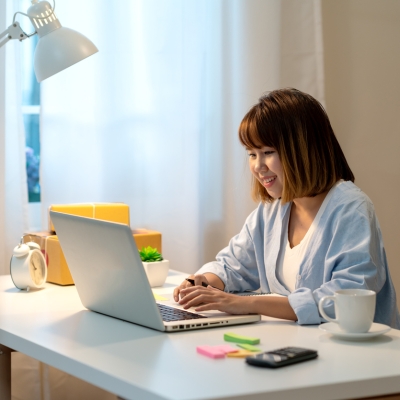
point(28, 266)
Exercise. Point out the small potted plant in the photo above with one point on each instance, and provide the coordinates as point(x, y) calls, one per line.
point(155, 266)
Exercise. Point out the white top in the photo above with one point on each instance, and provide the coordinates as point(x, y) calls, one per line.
point(289, 259)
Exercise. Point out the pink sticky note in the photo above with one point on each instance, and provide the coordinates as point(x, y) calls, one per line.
point(226, 348)
point(210, 351)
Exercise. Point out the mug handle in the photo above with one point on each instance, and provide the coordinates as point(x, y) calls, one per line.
point(321, 308)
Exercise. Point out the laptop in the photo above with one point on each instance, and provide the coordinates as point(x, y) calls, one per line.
point(110, 278)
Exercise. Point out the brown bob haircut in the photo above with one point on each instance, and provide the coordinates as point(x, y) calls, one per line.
point(298, 128)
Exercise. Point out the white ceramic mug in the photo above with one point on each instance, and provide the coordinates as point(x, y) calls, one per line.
point(354, 309)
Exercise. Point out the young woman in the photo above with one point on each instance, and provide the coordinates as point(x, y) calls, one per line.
point(314, 231)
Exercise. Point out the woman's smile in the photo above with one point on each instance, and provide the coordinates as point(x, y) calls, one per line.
point(267, 181)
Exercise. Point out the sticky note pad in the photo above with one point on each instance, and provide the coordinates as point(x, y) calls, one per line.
point(232, 337)
point(248, 347)
point(226, 348)
point(241, 354)
point(210, 351)
point(159, 298)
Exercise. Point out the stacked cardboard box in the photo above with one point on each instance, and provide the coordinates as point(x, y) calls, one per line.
point(58, 271)
point(114, 212)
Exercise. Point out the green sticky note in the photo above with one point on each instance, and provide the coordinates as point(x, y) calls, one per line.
point(249, 347)
point(232, 337)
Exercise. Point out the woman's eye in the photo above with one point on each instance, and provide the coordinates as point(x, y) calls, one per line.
point(251, 155)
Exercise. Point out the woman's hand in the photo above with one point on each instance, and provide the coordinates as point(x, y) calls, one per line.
point(210, 298)
point(198, 281)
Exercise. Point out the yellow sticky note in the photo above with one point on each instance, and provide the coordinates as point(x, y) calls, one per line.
point(240, 354)
point(159, 298)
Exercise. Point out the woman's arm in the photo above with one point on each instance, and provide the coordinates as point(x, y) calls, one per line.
point(204, 299)
point(237, 264)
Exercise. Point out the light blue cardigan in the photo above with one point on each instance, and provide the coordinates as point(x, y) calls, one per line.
point(345, 251)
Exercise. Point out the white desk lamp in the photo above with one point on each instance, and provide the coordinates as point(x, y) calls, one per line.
point(58, 47)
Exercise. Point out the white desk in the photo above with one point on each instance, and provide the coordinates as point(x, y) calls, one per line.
point(133, 362)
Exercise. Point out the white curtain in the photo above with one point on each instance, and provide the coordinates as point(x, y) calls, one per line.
point(13, 189)
point(151, 120)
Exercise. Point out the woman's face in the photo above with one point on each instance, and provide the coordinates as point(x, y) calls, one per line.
point(266, 166)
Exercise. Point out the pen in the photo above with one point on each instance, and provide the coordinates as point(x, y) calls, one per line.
point(192, 282)
point(202, 283)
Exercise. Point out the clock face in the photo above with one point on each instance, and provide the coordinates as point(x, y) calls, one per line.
point(37, 267)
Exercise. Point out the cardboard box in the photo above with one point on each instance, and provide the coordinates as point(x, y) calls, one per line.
point(114, 212)
point(57, 267)
point(145, 237)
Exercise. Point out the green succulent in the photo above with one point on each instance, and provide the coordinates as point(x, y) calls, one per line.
point(150, 254)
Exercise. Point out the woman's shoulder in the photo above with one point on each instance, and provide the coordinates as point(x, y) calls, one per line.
point(347, 191)
point(347, 195)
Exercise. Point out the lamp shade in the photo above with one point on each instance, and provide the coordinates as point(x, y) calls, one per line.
point(60, 49)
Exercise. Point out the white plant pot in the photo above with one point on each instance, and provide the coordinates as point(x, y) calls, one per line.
point(156, 272)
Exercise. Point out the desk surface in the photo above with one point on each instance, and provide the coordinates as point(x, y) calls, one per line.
point(134, 362)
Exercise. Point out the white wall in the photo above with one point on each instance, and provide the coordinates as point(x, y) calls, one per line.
point(362, 67)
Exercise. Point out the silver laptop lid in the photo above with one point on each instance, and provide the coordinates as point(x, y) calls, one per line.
point(107, 270)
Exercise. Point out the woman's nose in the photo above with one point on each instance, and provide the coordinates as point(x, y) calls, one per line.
point(260, 165)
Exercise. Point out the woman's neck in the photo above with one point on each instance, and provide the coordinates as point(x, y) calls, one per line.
point(309, 205)
point(302, 214)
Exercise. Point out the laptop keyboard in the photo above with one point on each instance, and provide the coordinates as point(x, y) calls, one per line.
point(175, 314)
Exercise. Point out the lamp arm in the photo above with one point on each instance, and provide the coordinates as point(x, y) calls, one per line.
point(14, 31)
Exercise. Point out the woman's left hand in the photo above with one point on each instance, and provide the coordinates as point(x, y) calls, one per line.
point(209, 298)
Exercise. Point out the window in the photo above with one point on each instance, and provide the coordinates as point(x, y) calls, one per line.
point(30, 109)
point(31, 117)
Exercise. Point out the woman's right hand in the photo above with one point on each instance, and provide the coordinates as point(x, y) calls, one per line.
point(199, 280)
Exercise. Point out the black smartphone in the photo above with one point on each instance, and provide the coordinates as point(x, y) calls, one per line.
point(281, 357)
